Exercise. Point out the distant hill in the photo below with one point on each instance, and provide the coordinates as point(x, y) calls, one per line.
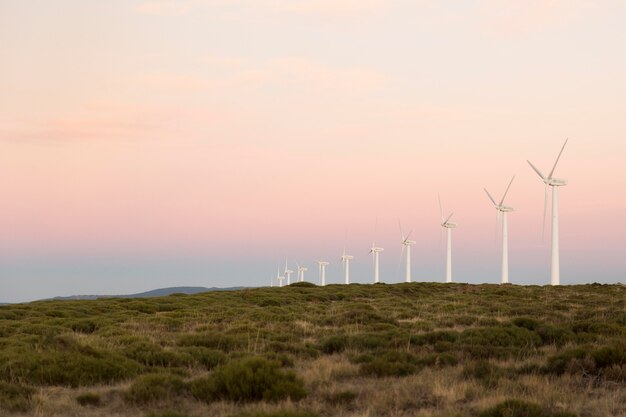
point(160, 292)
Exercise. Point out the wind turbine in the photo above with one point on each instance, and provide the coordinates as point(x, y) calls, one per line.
point(448, 226)
point(301, 271)
point(345, 259)
point(406, 243)
point(322, 273)
point(288, 273)
point(375, 251)
point(550, 181)
point(501, 208)
point(279, 278)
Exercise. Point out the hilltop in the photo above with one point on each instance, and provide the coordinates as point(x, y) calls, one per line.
point(160, 292)
point(420, 349)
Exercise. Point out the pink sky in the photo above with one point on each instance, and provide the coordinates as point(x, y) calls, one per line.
point(247, 131)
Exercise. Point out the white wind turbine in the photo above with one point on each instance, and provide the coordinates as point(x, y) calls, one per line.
point(448, 226)
point(501, 208)
point(322, 273)
point(375, 250)
point(301, 271)
point(288, 273)
point(550, 181)
point(406, 244)
point(345, 259)
point(279, 278)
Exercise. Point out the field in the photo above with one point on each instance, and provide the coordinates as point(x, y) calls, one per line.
point(419, 349)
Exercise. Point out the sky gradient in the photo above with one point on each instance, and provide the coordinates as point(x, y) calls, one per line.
point(200, 142)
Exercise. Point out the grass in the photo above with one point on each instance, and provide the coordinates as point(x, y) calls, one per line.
point(360, 350)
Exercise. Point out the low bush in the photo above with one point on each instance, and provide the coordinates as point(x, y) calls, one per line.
point(208, 358)
point(391, 363)
point(483, 371)
point(149, 354)
point(15, 397)
point(156, 388)
point(333, 344)
point(499, 342)
point(213, 340)
point(341, 398)
point(167, 414)
point(249, 380)
point(518, 408)
point(526, 323)
point(89, 398)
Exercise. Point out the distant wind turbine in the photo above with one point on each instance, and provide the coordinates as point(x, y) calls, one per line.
point(375, 250)
point(550, 181)
point(345, 259)
point(322, 273)
point(406, 243)
point(279, 278)
point(288, 273)
point(448, 226)
point(501, 208)
point(301, 271)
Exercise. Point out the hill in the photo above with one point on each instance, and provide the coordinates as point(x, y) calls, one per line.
point(160, 292)
point(420, 349)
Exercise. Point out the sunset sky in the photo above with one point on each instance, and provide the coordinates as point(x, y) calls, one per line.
point(155, 143)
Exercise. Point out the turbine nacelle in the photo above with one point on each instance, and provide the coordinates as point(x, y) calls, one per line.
point(556, 182)
point(323, 263)
point(408, 242)
point(504, 209)
point(375, 249)
point(347, 258)
point(449, 225)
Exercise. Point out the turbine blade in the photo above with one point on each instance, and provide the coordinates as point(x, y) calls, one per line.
point(401, 233)
point(497, 225)
point(409, 235)
point(440, 207)
point(490, 197)
point(507, 190)
point(449, 217)
point(536, 170)
point(557, 160)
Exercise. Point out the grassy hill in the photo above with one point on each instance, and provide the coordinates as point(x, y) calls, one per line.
point(420, 349)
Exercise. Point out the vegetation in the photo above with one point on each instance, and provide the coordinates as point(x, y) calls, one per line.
point(304, 351)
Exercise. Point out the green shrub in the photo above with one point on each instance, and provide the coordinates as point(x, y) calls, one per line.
point(208, 358)
point(518, 408)
point(526, 323)
point(88, 398)
point(606, 361)
point(249, 380)
point(391, 363)
point(499, 342)
point(553, 335)
point(15, 397)
point(156, 388)
point(483, 371)
point(149, 354)
point(213, 340)
point(333, 344)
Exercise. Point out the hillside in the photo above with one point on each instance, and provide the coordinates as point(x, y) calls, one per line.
point(160, 292)
point(421, 349)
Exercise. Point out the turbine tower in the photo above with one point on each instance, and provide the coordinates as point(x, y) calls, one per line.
point(406, 244)
point(448, 226)
point(322, 273)
point(501, 208)
point(279, 278)
point(345, 259)
point(288, 273)
point(375, 251)
point(301, 271)
point(550, 181)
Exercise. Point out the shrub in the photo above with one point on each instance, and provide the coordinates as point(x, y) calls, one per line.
point(15, 398)
point(167, 414)
point(88, 398)
point(552, 335)
point(498, 342)
point(156, 388)
point(391, 364)
point(149, 354)
point(606, 361)
point(518, 408)
point(249, 380)
point(484, 372)
point(526, 323)
point(213, 340)
point(333, 344)
point(209, 358)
